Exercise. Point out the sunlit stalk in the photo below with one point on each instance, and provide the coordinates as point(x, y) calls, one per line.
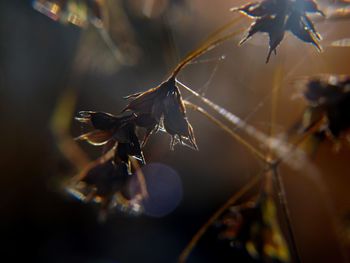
point(279, 147)
point(275, 93)
point(222, 126)
point(221, 29)
point(278, 183)
point(201, 50)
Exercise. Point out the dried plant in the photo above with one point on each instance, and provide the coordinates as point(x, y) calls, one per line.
point(275, 17)
point(253, 226)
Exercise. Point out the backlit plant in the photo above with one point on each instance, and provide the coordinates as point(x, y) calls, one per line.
point(122, 136)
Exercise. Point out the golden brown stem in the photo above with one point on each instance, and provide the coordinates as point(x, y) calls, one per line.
point(207, 46)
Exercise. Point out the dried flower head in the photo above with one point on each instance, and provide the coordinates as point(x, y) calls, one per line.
point(107, 180)
point(110, 130)
point(328, 98)
point(76, 12)
point(255, 227)
point(162, 107)
point(275, 17)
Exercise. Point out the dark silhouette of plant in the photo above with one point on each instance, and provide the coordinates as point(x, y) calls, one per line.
point(162, 107)
point(275, 17)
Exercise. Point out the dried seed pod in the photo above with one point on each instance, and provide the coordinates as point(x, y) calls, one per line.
point(162, 106)
point(112, 131)
point(275, 17)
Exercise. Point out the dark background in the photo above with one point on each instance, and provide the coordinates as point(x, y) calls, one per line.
point(38, 63)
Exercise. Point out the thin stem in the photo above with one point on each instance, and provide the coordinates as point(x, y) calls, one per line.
point(251, 148)
point(201, 50)
point(278, 183)
point(233, 199)
point(221, 29)
point(275, 93)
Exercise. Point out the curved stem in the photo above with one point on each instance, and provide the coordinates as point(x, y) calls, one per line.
point(234, 198)
point(221, 29)
point(201, 50)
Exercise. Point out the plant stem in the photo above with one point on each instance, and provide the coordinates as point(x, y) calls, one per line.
point(279, 147)
point(251, 148)
point(207, 46)
point(221, 29)
point(278, 183)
